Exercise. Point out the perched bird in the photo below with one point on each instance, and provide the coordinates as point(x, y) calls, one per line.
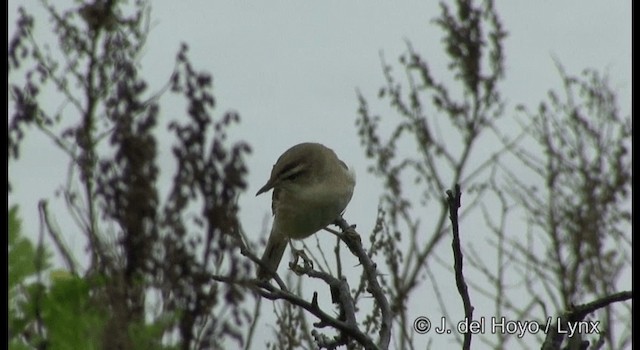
point(311, 189)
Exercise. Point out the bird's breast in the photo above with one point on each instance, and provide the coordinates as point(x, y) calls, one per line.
point(303, 211)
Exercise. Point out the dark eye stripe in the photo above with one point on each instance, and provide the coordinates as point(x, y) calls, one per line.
point(289, 168)
point(292, 171)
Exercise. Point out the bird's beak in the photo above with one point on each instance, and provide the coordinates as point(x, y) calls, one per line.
point(265, 188)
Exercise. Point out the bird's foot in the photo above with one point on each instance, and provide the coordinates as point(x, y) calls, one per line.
point(307, 263)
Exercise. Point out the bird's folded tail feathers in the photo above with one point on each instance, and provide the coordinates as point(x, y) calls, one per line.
point(272, 256)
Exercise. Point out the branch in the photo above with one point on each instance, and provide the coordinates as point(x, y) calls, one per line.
point(57, 239)
point(346, 323)
point(352, 239)
point(252, 328)
point(339, 287)
point(268, 291)
point(554, 338)
point(454, 204)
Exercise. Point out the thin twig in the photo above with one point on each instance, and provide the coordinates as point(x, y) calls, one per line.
point(252, 328)
point(57, 239)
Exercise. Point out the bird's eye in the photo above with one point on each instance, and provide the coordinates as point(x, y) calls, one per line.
point(292, 177)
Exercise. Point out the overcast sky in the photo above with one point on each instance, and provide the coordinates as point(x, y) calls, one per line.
point(291, 70)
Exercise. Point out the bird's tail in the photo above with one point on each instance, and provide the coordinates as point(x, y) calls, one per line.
point(272, 256)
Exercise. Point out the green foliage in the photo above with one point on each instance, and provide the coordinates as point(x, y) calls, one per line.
point(73, 320)
point(22, 254)
point(61, 310)
point(24, 262)
point(62, 315)
point(57, 309)
point(149, 336)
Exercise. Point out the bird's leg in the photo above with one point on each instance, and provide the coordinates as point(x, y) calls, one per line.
point(307, 263)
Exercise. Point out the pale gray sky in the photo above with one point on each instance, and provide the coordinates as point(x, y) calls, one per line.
point(291, 70)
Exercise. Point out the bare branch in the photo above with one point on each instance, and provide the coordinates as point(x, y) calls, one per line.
point(352, 239)
point(454, 204)
point(554, 338)
point(57, 239)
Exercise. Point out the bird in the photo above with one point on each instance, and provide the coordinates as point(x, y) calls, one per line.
point(311, 189)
